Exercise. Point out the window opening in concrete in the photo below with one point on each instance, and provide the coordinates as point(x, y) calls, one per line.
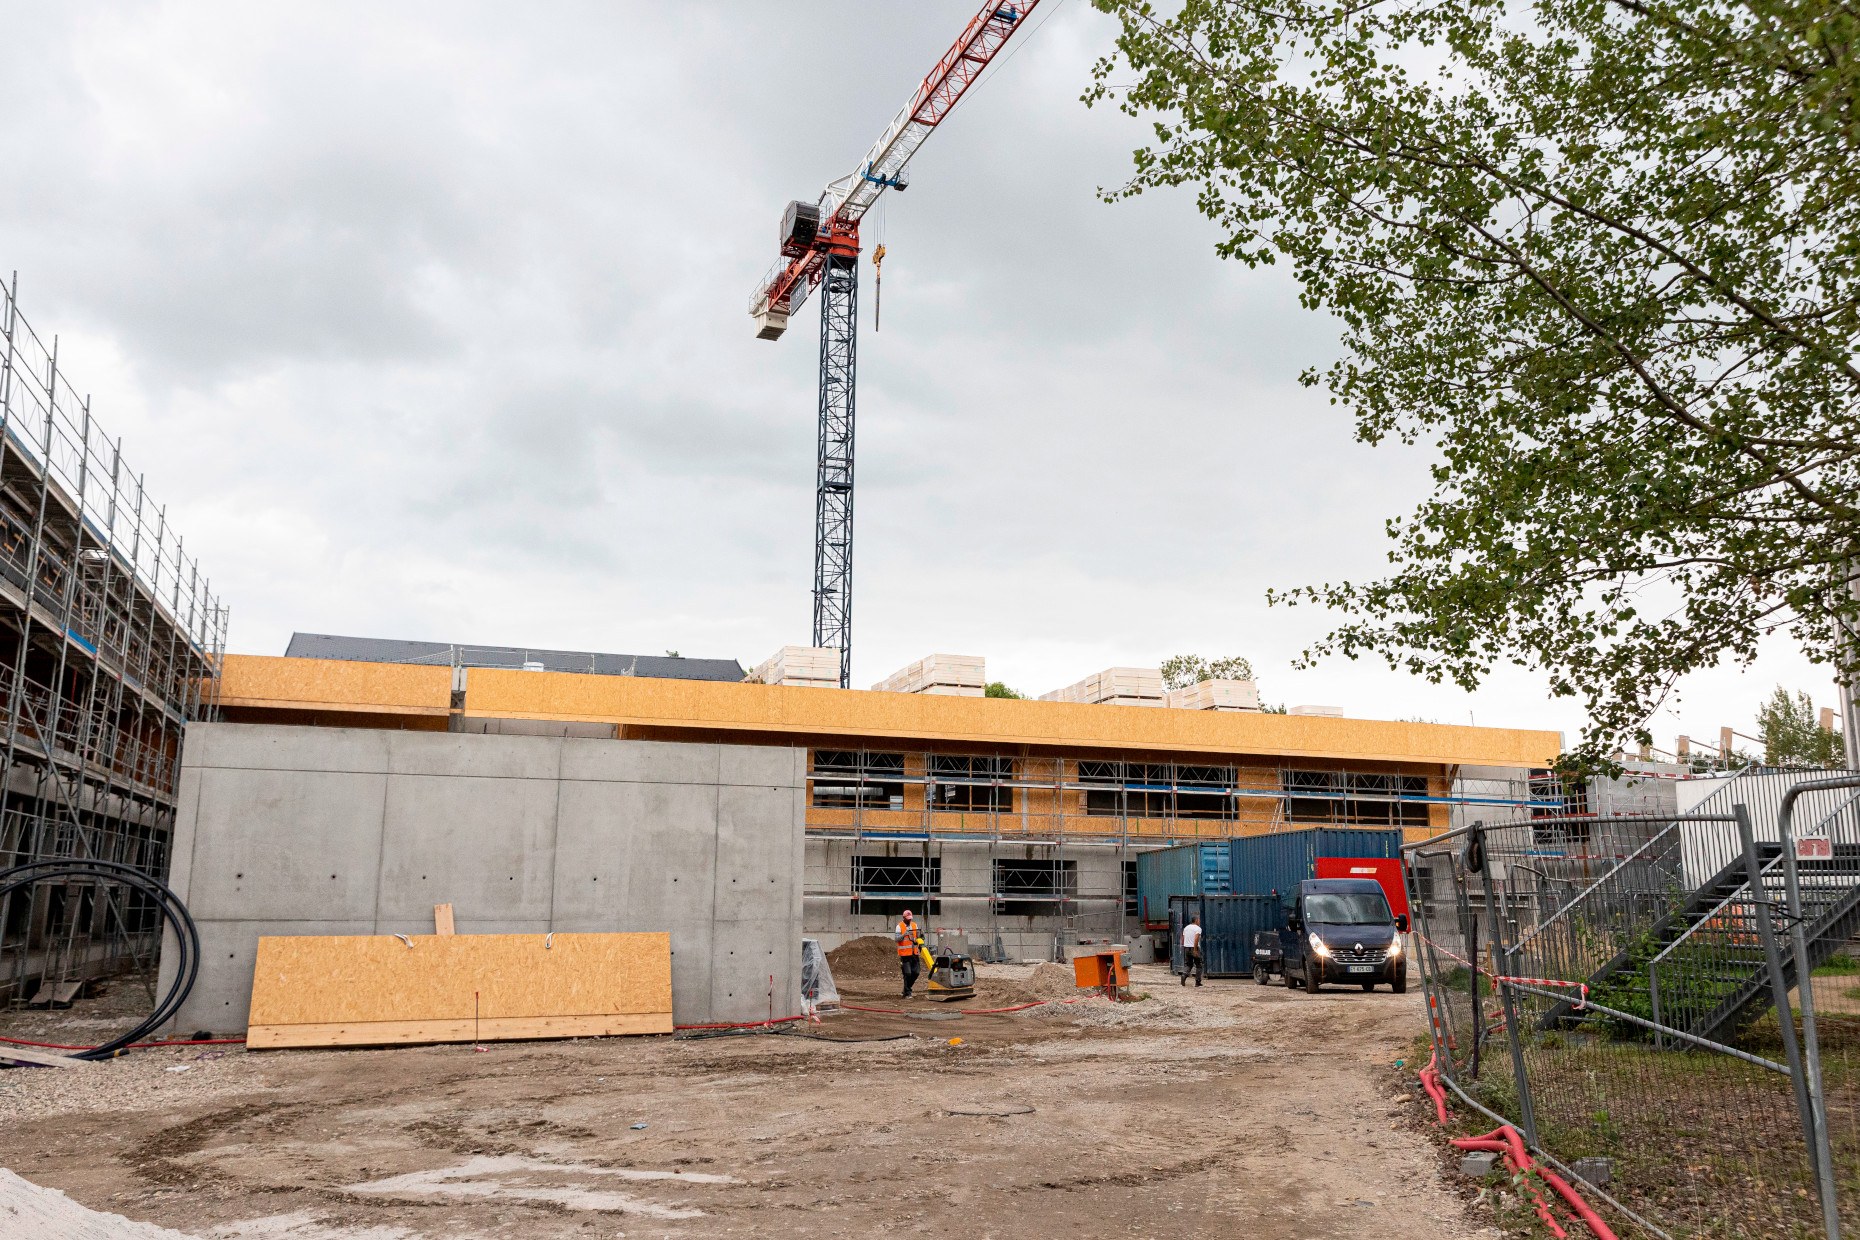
point(1026, 888)
point(852, 779)
point(889, 885)
point(968, 783)
point(1130, 887)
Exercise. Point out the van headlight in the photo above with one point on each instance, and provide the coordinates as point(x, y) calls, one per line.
point(1317, 945)
point(1395, 947)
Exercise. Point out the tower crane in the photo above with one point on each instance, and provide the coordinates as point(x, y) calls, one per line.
point(820, 247)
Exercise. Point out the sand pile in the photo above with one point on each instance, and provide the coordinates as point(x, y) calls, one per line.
point(871, 958)
point(1052, 981)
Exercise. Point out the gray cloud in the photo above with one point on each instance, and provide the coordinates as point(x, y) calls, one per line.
point(428, 320)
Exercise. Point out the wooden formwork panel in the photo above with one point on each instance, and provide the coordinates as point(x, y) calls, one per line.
point(362, 990)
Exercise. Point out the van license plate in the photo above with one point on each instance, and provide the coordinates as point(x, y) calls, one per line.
point(1362, 968)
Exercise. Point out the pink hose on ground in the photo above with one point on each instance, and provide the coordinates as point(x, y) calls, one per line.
point(1505, 1139)
point(1430, 1081)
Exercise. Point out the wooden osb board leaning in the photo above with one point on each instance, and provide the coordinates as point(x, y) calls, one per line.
point(375, 990)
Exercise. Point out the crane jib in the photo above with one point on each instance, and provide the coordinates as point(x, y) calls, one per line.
point(847, 199)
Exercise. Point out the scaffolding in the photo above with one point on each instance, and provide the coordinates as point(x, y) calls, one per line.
point(1056, 809)
point(110, 642)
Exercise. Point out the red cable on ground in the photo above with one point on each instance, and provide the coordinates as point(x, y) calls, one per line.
point(747, 1024)
point(1505, 1139)
point(1430, 1081)
point(133, 1046)
point(854, 1007)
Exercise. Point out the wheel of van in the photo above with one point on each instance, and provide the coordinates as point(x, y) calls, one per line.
point(1400, 984)
point(1312, 985)
point(1262, 975)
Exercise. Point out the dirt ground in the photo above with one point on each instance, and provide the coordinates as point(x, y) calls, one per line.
point(1193, 1113)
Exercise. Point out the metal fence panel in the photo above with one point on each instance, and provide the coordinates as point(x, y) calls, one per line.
point(1604, 985)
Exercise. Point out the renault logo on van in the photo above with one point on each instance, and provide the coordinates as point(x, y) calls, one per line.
point(1359, 947)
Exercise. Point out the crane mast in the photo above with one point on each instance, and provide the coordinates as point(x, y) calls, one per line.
point(820, 250)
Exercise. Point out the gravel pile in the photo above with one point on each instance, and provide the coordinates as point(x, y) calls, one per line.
point(138, 1081)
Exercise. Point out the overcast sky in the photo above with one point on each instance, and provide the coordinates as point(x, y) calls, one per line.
point(428, 321)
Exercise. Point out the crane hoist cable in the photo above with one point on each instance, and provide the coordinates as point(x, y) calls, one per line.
point(878, 283)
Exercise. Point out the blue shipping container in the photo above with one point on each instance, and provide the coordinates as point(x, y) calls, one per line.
point(1184, 870)
point(1278, 862)
point(1228, 924)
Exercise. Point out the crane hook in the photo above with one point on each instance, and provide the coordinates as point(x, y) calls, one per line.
point(878, 283)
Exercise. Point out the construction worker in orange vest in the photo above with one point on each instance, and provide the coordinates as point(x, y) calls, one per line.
point(910, 943)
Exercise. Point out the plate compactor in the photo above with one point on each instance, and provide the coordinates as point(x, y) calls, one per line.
point(948, 973)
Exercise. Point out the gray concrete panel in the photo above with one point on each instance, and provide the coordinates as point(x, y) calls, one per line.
point(181, 845)
point(659, 762)
point(755, 845)
point(508, 757)
point(287, 845)
point(634, 836)
point(286, 748)
point(766, 765)
point(484, 846)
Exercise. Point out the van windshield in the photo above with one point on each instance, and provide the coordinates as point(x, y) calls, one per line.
point(1348, 908)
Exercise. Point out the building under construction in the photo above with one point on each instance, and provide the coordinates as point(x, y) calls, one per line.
point(1015, 823)
point(109, 645)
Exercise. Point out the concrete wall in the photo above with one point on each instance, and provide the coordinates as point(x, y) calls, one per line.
point(301, 830)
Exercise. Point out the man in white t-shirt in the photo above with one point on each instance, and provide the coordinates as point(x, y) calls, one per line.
point(1191, 950)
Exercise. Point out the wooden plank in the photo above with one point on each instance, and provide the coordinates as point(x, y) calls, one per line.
point(451, 981)
point(43, 1059)
point(408, 1032)
point(442, 919)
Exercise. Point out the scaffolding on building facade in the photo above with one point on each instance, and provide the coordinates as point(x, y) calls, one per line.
point(1052, 809)
point(110, 642)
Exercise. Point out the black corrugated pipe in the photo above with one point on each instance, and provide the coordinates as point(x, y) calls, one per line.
point(173, 912)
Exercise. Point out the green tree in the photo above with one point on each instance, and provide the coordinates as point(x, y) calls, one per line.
point(1182, 670)
point(1603, 257)
point(996, 689)
point(1792, 736)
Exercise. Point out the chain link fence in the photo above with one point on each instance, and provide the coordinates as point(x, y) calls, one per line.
point(1624, 992)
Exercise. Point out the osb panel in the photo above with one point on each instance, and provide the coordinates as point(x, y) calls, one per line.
point(632, 700)
point(332, 684)
point(355, 979)
point(393, 1032)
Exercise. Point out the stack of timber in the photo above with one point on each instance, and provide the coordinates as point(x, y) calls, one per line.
point(814, 666)
point(957, 675)
point(1216, 695)
point(1114, 686)
point(380, 990)
point(1317, 712)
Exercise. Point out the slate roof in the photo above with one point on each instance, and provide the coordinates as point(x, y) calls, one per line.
point(443, 654)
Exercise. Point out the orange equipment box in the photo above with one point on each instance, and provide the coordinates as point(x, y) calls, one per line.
point(1096, 971)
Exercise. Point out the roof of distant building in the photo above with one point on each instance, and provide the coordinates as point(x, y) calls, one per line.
point(444, 654)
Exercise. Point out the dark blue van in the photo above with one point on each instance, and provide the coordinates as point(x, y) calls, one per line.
point(1341, 930)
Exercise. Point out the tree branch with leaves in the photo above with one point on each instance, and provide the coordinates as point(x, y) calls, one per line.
point(1603, 258)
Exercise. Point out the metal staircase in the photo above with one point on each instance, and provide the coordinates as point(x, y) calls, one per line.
point(1701, 967)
